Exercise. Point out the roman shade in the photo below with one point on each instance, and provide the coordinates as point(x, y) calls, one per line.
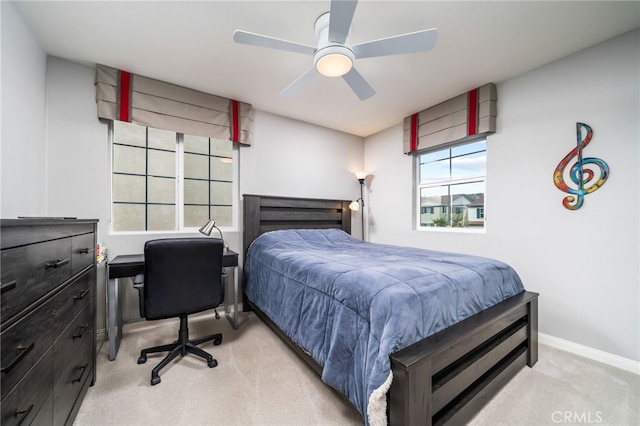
point(468, 116)
point(128, 97)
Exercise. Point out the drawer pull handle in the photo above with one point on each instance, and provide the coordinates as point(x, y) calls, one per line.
point(22, 353)
point(78, 334)
point(23, 412)
point(82, 295)
point(84, 367)
point(8, 286)
point(84, 250)
point(57, 263)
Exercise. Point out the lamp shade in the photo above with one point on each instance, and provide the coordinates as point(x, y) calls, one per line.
point(362, 174)
point(208, 227)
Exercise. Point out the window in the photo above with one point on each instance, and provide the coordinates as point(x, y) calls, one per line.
point(168, 181)
point(452, 180)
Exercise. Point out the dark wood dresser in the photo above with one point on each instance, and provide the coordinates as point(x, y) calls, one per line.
point(47, 319)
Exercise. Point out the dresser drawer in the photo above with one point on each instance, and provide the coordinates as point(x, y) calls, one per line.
point(70, 301)
point(28, 273)
point(75, 336)
point(83, 252)
point(26, 401)
point(23, 344)
point(74, 377)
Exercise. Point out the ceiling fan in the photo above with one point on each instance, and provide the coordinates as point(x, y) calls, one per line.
point(333, 57)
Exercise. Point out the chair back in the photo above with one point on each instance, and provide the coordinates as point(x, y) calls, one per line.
point(182, 276)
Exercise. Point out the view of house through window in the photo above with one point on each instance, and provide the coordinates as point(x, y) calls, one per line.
point(168, 181)
point(451, 186)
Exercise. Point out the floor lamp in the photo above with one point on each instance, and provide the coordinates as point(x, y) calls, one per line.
point(356, 205)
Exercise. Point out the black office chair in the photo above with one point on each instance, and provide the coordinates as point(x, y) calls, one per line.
point(182, 276)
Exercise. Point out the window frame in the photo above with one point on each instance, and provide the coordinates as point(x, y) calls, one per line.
point(418, 186)
point(180, 229)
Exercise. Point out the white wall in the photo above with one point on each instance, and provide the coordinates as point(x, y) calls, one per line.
point(292, 158)
point(583, 263)
point(23, 147)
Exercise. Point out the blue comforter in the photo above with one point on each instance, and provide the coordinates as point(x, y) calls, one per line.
point(350, 304)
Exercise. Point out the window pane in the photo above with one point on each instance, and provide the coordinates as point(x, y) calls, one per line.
point(129, 133)
point(222, 215)
point(470, 165)
point(222, 148)
point(162, 139)
point(469, 148)
point(222, 193)
point(128, 188)
point(128, 217)
point(146, 162)
point(437, 171)
point(197, 144)
point(128, 159)
point(161, 218)
point(221, 169)
point(435, 156)
point(466, 200)
point(196, 166)
point(196, 192)
point(434, 202)
point(161, 190)
point(195, 216)
point(162, 163)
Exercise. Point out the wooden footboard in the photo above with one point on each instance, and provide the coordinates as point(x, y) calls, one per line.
point(449, 376)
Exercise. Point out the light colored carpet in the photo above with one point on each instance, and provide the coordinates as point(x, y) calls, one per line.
point(260, 381)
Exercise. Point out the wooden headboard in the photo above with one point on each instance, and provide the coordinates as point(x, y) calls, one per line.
point(267, 213)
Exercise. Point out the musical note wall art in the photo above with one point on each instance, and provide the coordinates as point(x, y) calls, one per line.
point(586, 174)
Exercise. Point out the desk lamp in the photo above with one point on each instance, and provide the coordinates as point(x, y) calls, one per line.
point(208, 227)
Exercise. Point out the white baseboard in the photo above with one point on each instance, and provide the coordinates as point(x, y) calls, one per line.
point(587, 352)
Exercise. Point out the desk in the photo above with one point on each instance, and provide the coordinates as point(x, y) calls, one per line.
point(130, 265)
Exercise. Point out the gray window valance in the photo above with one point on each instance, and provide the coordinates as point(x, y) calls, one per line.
point(123, 96)
point(464, 117)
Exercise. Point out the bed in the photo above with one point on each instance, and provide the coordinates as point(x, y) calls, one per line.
point(429, 369)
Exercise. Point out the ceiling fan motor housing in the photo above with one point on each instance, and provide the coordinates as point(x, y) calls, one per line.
point(331, 59)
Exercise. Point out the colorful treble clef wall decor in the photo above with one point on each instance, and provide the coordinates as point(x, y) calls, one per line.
point(582, 173)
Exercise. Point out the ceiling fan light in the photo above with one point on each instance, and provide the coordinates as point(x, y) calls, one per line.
point(334, 65)
point(334, 60)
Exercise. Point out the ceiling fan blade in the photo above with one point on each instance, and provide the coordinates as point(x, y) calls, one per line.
point(418, 41)
point(358, 84)
point(300, 82)
point(341, 14)
point(253, 39)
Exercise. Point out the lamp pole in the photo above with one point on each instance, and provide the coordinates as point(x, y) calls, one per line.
point(362, 201)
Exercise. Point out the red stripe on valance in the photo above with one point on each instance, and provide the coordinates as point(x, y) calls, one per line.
point(414, 132)
point(125, 100)
point(472, 120)
point(235, 121)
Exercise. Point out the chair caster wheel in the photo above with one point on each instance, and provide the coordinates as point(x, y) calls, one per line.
point(212, 363)
point(142, 359)
point(217, 341)
point(155, 380)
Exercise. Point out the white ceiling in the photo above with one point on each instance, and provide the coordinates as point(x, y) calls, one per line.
point(191, 44)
